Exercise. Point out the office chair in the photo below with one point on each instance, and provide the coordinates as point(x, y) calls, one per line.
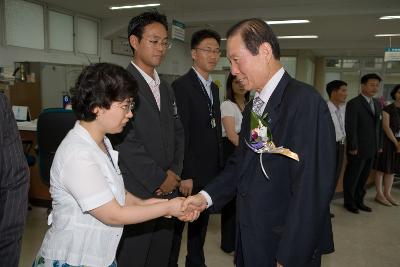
point(52, 126)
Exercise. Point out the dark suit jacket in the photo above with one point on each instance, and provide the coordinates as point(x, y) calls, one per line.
point(363, 128)
point(287, 217)
point(14, 185)
point(203, 144)
point(152, 142)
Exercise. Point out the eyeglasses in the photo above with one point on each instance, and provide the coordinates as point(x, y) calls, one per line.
point(210, 51)
point(127, 107)
point(154, 43)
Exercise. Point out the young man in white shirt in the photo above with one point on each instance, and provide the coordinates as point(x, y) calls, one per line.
point(337, 92)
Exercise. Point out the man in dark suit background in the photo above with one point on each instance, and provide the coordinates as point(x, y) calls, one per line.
point(198, 103)
point(151, 146)
point(14, 186)
point(363, 134)
point(282, 214)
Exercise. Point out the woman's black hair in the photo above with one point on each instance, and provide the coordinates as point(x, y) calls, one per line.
point(230, 95)
point(394, 91)
point(98, 86)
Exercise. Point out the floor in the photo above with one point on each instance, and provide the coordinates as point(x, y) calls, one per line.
point(361, 240)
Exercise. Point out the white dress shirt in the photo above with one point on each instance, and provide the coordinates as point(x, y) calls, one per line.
point(338, 118)
point(265, 95)
point(154, 84)
point(206, 83)
point(230, 109)
point(82, 178)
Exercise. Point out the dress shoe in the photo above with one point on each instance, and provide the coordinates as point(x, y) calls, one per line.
point(352, 209)
point(383, 201)
point(332, 215)
point(363, 207)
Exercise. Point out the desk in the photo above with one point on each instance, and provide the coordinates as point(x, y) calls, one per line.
point(38, 192)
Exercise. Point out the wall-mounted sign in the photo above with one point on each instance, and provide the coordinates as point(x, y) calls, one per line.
point(392, 54)
point(178, 30)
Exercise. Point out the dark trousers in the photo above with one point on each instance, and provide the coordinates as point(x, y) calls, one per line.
point(339, 162)
point(146, 244)
point(355, 177)
point(195, 241)
point(13, 209)
point(228, 226)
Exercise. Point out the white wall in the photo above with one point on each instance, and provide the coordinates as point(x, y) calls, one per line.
point(176, 62)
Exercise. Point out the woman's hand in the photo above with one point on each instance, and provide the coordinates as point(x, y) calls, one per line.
point(152, 201)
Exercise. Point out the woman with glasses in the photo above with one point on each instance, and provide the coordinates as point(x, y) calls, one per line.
point(388, 162)
point(231, 114)
point(90, 204)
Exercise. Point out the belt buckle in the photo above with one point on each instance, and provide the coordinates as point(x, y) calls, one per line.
point(342, 141)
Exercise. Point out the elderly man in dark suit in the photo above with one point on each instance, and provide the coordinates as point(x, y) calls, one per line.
point(364, 134)
point(282, 204)
point(198, 103)
point(151, 147)
point(14, 186)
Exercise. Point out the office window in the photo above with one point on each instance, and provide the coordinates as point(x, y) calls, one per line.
point(350, 64)
point(61, 31)
point(24, 24)
point(333, 63)
point(373, 63)
point(86, 36)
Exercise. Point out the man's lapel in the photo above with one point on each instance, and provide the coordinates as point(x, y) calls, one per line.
point(366, 105)
point(144, 88)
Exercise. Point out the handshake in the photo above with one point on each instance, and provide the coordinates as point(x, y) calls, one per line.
point(187, 209)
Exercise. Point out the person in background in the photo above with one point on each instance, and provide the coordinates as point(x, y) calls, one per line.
point(151, 147)
point(231, 117)
point(363, 142)
point(197, 98)
point(14, 186)
point(90, 204)
point(337, 92)
point(388, 162)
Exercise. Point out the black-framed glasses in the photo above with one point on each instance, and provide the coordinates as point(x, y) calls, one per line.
point(209, 51)
point(165, 44)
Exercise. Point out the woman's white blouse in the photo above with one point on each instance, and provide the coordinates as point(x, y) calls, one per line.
point(82, 178)
point(230, 109)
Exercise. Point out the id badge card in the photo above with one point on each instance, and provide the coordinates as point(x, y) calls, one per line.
point(213, 123)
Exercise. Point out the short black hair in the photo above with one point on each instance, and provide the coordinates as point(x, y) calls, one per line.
point(199, 36)
point(334, 86)
point(230, 95)
point(394, 91)
point(99, 85)
point(370, 76)
point(254, 32)
point(136, 24)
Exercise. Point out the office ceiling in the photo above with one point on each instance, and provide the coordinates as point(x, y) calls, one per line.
point(344, 27)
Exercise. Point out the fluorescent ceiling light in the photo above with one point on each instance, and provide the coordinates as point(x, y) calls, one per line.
point(135, 6)
point(387, 34)
point(298, 37)
point(293, 21)
point(390, 17)
point(223, 39)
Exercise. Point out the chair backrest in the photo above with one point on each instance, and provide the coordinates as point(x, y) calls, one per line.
point(52, 126)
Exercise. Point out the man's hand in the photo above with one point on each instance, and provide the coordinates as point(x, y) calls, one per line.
point(353, 152)
point(186, 187)
point(197, 202)
point(279, 265)
point(171, 182)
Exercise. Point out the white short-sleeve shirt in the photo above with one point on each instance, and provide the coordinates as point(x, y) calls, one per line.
point(230, 109)
point(82, 178)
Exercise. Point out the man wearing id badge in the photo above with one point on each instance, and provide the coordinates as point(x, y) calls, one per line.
point(198, 104)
